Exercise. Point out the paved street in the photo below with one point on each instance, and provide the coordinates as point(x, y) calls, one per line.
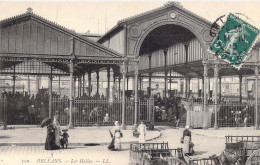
point(78, 136)
point(11, 155)
point(207, 142)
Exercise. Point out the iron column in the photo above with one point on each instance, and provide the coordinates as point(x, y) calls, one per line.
point(123, 96)
point(216, 95)
point(108, 83)
point(256, 97)
point(89, 83)
point(205, 94)
point(150, 74)
point(71, 93)
point(136, 90)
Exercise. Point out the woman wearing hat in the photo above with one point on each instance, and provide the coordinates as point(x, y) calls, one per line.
point(50, 139)
point(186, 139)
point(57, 131)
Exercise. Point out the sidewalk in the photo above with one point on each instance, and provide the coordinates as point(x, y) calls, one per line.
point(31, 135)
point(222, 132)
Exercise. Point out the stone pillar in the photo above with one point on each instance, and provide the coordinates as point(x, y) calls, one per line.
point(136, 97)
point(89, 84)
point(97, 73)
point(240, 88)
point(71, 94)
point(123, 96)
point(216, 95)
point(108, 83)
point(256, 97)
point(205, 94)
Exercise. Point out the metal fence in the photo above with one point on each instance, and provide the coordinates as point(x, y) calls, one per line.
point(236, 115)
point(249, 144)
point(146, 109)
point(149, 153)
point(100, 112)
point(235, 139)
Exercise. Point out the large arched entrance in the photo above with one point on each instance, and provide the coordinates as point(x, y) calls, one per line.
point(176, 53)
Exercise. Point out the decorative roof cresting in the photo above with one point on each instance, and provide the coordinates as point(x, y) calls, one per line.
point(29, 10)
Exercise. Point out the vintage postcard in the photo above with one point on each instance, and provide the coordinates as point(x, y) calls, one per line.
point(129, 82)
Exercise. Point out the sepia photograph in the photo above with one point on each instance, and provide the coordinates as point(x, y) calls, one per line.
point(129, 82)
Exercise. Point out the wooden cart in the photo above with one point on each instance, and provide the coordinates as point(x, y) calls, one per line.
point(155, 153)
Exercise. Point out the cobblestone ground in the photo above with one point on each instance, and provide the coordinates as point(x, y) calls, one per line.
point(205, 146)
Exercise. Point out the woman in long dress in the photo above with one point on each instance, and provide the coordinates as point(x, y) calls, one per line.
point(57, 131)
point(142, 132)
point(188, 145)
point(117, 136)
point(50, 139)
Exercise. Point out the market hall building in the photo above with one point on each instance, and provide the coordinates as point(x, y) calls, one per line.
point(169, 42)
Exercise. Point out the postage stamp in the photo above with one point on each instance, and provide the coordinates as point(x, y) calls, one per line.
point(234, 41)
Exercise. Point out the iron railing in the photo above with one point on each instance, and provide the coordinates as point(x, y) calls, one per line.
point(101, 112)
point(236, 115)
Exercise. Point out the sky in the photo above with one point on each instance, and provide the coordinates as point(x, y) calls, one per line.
point(100, 16)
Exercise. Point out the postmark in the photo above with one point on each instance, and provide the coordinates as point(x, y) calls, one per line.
point(234, 40)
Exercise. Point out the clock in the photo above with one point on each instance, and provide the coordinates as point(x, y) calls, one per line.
point(172, 15)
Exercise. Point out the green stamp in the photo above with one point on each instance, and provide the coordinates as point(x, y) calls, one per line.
point(234, 41)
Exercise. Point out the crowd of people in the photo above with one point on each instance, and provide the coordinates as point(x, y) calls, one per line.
point(28, 109)
point(169, 110)
point(31, 109)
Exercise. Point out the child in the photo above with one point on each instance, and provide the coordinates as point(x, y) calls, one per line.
point(64, 139)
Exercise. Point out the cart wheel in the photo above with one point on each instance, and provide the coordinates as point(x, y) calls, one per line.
point(254, 158)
